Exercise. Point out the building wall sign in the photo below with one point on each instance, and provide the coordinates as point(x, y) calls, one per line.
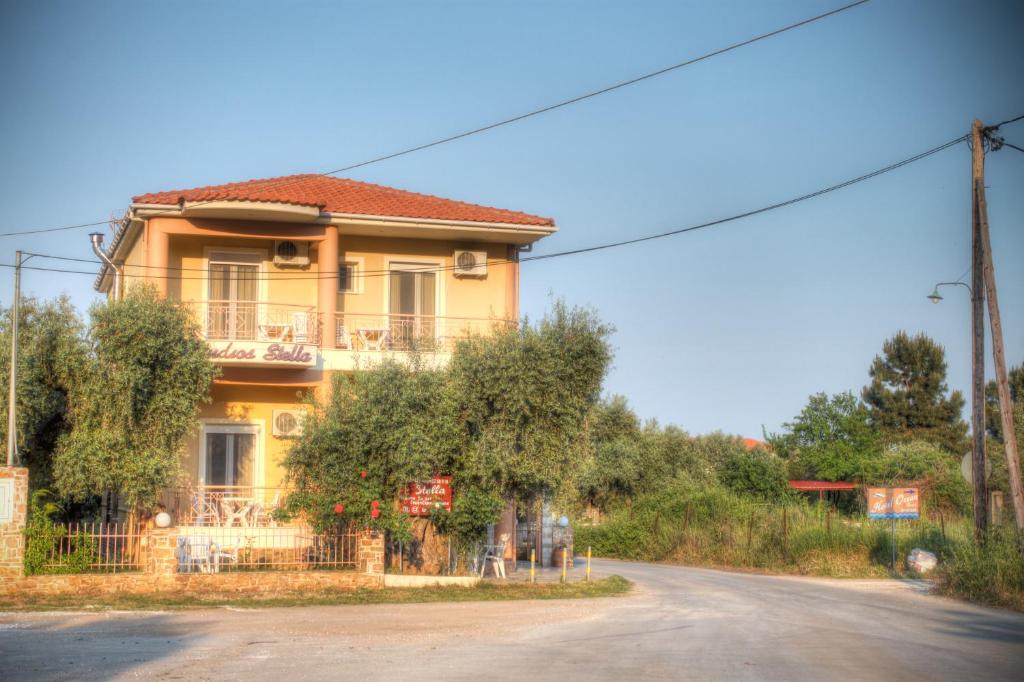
point(255, 353)
point(6, 500)
point(421, 498)
point(893, 503)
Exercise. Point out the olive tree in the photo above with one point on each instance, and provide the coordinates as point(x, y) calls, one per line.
point(52, 353)
point(374, 433)
point(135, 401)
point(525, 395)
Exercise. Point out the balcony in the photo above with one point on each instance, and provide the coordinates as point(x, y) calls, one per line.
point(223, 506)
point(397, 332)
point(257, 321)
point(255, 333)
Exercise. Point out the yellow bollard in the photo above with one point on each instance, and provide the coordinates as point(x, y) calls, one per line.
point(588, 564)
point(533, 561)
point(565, 551)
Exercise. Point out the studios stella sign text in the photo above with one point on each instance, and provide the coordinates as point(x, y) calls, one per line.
point(255, 353)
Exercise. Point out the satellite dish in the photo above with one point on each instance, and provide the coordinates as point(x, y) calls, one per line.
point(967, 468)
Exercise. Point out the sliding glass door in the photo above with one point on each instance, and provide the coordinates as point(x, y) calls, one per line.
point(233, 290)
point(412, 303)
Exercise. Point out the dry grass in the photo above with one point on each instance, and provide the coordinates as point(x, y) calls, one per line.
point(605, 587)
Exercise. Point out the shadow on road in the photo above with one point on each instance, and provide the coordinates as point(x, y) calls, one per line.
point(91, 647)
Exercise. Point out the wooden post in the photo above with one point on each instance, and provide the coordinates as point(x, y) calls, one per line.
point(750, 530)
point(978, 338)
point(785, 533)
point(999, 359)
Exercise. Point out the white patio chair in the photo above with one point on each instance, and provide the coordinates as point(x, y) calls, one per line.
point(197, 553)
point(496, 555)
point(222, 553)
point(265, 513)
point(300, 327)
point(343, 338)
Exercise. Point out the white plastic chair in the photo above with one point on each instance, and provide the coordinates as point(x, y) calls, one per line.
point(496, 555)
point(229, 553)
point(300, 327)
point(343, 338)
point(261, 512)
point(195, 551)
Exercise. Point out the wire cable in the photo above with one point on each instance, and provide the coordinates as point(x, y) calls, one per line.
point(515, 119)
point(588, 249)
point(1012, 146)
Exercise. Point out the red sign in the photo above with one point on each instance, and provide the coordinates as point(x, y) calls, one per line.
point(420, 498)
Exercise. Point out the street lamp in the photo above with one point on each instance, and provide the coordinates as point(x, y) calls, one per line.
point(935, 296)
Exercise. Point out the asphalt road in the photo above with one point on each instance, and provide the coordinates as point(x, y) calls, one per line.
point(680, 624)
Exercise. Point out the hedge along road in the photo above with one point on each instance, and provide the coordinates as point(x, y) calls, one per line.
point(679, 623)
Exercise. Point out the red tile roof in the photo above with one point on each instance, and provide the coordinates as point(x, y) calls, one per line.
point(341, 195)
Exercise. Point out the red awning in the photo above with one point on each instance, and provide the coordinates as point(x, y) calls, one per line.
point(822, 485)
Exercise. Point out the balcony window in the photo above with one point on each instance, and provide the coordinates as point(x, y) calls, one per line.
point(233, 292)
point(412, 293)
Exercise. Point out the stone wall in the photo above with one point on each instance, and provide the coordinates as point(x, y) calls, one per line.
point(14, 510)
point(371, 553)
point(159, 567)
point(211, 585)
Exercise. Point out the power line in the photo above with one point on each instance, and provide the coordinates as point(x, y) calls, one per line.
point(598, 247)
point(771, 207)
point(514, 119)
point(1012, 146)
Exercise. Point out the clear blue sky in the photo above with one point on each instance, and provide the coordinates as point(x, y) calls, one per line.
point(728, 329)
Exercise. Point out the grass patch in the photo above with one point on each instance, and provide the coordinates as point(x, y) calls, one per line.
point(605, 587)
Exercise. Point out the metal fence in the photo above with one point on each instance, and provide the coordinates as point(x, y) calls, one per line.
point(224, 549)
point(399, 332)
point(257, 321)
point(94, 548)
point(242, 506)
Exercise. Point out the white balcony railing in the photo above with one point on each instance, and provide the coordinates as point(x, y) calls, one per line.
point(394, 332)
point(257, 321)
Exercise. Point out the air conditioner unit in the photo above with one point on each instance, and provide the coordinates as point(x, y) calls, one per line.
point(291, 254)
point(288, 423)
point(470, 264)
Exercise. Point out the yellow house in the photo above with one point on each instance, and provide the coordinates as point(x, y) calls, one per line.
point(294, 278)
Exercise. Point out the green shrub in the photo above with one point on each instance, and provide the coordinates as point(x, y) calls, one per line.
point(44, 540)
point(992, 573)
point(758, 473)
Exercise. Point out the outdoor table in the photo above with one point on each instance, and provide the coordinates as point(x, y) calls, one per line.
point(237, 508)
point(275, 332)
point(373, 338)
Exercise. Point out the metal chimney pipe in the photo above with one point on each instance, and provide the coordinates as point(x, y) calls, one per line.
point(97, 247)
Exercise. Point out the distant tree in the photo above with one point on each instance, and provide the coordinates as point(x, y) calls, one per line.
point(908, 397)
point(831, 439)
point(135, 401)
point(615, 469)
point(993, 418)
point(51, 354)
point(757, 472)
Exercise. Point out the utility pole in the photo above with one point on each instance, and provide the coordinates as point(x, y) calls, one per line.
point(1002, 384)
point(978, 338)
point(12, 436)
